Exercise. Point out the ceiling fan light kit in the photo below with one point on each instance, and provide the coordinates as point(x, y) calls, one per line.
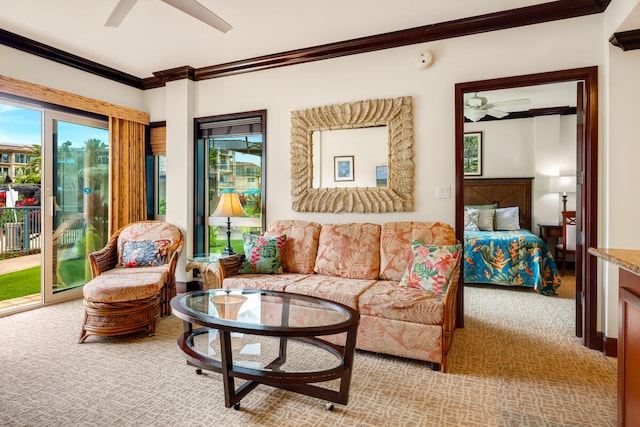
point(475, 115)
point(476, 107)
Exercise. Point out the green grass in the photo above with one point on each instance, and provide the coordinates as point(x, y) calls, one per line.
point(237, 245)
point(20, 283)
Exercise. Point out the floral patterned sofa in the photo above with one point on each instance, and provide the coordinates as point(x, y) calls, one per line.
point(379, 270)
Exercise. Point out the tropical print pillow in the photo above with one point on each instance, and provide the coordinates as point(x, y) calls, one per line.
point(263, 254)
point(430, 267)
point(144, 253)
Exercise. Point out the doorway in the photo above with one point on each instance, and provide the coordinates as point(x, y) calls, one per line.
point(587, 179)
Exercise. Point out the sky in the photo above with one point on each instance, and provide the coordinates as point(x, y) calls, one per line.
point(21, 126)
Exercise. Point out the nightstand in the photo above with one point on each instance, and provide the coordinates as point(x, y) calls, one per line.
point(550, 233)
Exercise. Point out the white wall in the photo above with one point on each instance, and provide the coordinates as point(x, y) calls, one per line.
point(618, 172)
point(33, 69)
point(386, 74)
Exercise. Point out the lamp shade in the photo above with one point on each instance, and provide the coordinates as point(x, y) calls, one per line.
point(229, 205)
point(562, 184)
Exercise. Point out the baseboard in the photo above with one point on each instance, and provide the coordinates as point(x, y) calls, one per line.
point(609, 346)
point(182, 287)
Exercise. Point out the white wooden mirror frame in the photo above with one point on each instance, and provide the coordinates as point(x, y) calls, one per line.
point(397, 196)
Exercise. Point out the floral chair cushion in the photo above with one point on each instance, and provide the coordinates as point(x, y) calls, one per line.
point(430, 266)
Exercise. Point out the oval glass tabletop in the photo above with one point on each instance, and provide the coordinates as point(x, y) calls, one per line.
point(263, 311)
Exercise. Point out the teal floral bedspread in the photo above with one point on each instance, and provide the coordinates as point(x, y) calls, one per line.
point(510, 258)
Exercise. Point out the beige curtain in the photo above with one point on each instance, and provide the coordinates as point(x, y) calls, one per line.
point(128, 190)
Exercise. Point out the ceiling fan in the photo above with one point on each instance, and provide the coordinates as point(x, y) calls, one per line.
point(477, 107)
point(190, 7)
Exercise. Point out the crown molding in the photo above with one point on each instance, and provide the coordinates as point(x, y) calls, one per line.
point(536, 14)
point(626, 40)
point(56, 55)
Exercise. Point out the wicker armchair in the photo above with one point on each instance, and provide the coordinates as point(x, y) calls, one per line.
point(133, 280)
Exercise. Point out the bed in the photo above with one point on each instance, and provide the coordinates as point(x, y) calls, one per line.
point(511, 255)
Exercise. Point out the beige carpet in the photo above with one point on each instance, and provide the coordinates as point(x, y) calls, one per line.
point(516, 363)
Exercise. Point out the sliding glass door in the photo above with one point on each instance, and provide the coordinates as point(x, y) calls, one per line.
point(77, 198)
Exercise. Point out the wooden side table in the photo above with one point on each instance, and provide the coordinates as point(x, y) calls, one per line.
point(207, 266)
point(550, 233)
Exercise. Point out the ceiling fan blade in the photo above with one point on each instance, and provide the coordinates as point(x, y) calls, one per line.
point(496, 113)
point(119, 12)
point(512, 102)
point(198, 11)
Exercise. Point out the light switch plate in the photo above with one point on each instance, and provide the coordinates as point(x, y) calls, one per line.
point(443, 191)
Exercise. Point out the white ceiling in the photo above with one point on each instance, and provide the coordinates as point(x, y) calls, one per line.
point(155, 36)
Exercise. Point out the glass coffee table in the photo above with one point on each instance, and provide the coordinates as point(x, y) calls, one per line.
point(271, 338)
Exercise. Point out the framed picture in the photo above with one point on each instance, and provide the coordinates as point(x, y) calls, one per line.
point(382, 175)
point(472, 153)
point(343, 168)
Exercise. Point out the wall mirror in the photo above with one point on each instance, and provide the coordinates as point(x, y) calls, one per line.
point(353, 157)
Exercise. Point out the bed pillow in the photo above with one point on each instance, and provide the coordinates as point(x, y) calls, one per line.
point(480, 207)
point(470, 219)
point(263, 254)
point(507, 219)
point(430, 266)
point(144, 253)
point(485, 219)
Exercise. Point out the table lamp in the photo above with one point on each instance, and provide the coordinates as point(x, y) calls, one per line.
point(229, 205)
point(564, 185)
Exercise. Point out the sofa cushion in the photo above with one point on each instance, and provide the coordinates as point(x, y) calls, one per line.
point(351, 251)
point(263, 254)
point(389, 300)
point(144, 253)
point(430, 266)
point(125, 284)
point(344, 291)
point(301, 247)
point(270, 282)
point(395, 244)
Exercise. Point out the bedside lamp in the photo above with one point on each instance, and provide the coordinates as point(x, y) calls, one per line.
point(564, 185)
point(229, 205)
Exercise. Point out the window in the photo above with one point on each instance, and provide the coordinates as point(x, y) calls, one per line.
point(229, 156)
point(161, 185)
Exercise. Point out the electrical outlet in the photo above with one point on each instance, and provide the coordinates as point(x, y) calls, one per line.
point(443, 191)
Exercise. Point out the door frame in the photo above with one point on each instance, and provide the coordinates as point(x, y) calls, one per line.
point(587, 294)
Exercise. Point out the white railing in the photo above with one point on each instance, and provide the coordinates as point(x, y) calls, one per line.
point(20, 230)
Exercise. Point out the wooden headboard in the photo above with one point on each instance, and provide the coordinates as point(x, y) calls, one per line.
point(506, 192)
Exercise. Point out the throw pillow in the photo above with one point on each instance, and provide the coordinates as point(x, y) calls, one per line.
point(430, 267)
point(485, 219)
point(144, 253)
point(470, 219)
point(507, 219)
point(263, 254)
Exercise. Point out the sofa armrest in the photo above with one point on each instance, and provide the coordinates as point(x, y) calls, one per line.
point(449, 320)
point(229, 266)
point(104, 259)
